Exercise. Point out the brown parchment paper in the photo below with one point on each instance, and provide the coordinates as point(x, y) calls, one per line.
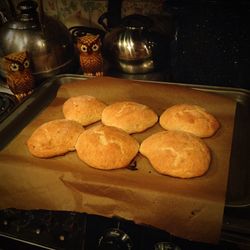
point(187, 208)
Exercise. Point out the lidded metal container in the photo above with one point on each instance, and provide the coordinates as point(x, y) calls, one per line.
point(47, 40)
point(133, 47)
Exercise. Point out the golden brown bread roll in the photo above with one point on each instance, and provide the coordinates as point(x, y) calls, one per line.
point(129, 116)
point(84, 109)
point(106, 147)
point(189, 118)
point(176, 153)
point(54, 138)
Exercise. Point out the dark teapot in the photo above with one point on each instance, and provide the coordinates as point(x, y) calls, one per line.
point(133, 46)
point(47, 40)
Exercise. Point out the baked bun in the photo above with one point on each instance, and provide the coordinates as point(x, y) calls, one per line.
point(176, 153)
point(131, 117)
point(105, 147)
point(189, 118)
point(84, 109)
point(54, 138)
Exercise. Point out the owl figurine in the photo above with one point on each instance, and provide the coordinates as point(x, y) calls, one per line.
point(18, 74)
point(91, 60)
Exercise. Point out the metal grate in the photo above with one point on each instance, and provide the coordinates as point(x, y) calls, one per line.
point(7, 103)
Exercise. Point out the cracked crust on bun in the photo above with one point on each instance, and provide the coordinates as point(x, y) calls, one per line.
point(189, 118)
point(132, 117)
point(54, 138)
point(84, 109)
point(104, 147)
point(177, 154)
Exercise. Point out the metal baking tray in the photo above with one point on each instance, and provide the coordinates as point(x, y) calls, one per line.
point(238, 192)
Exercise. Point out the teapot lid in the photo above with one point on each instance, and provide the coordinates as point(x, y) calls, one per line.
point(28, 16)
point(137, 21)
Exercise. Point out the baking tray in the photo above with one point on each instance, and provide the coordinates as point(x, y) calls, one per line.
point(238, 192)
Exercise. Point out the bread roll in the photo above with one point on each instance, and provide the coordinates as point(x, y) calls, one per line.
point(54, 138)
point(84, 109)
point(106, 147)
point(176, 153)
point(189, 118)
point(131, 117)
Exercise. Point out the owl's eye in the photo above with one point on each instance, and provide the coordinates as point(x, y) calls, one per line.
point(26, 64)
point(84, 48)
point(95, 47)
point(14, 67)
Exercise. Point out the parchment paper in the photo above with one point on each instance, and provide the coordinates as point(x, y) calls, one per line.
point(187, 208)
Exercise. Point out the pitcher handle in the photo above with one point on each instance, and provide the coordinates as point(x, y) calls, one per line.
point(102, 22)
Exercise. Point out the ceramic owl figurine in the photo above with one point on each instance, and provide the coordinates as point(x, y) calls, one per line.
point(91, 60)
point(18, 74)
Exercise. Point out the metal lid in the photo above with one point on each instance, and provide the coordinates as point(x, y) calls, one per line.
point(28, 17)
point(137, 22)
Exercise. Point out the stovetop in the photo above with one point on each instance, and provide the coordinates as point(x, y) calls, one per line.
point(70, 230)
point(8, 103)
point(210, 47)
point(42, 229)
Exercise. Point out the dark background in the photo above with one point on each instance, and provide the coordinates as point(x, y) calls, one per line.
point(211, 44)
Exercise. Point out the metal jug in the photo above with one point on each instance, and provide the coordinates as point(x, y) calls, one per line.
point(132, 46)
point(47, 40)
